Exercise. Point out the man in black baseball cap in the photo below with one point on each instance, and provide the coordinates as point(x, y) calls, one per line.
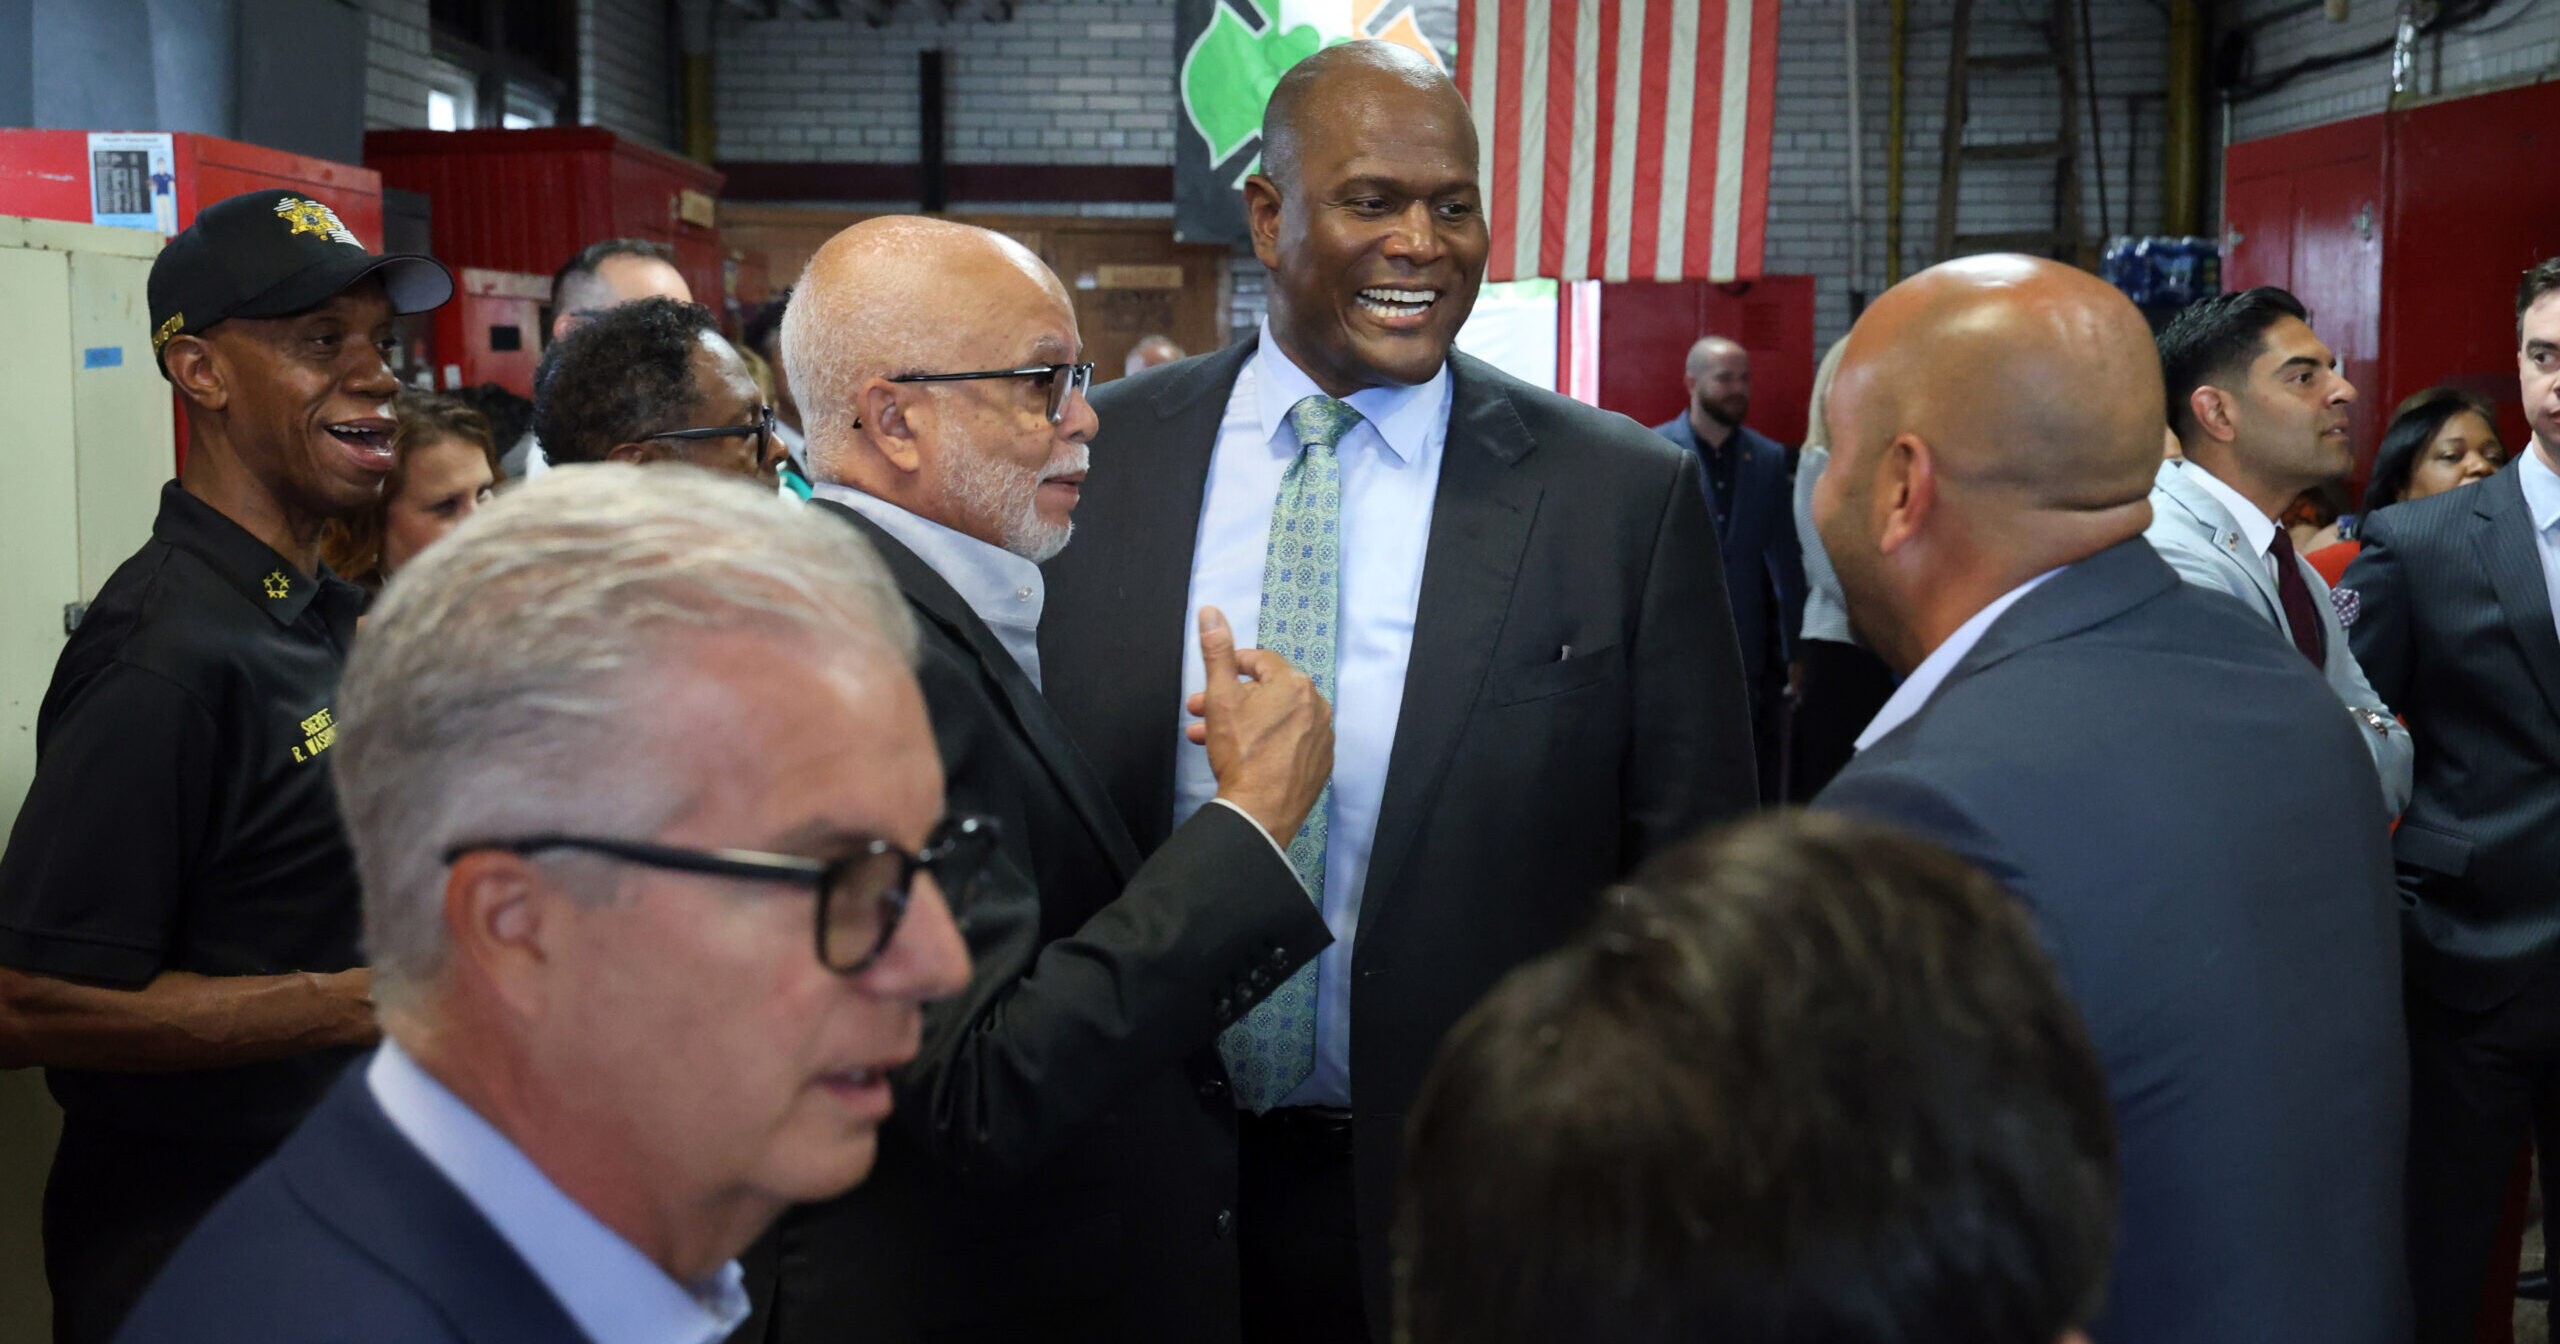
point(178, 906)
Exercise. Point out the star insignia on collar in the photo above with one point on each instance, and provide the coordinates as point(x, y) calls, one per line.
point(278, 586)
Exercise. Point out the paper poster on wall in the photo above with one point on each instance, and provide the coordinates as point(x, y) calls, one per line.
point(133, 180)
point(1231, 53)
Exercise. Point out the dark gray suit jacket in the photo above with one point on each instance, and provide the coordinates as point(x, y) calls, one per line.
point(2454, 625)
point(1519, 784)
point(1062, 1162)
point(2200, 836)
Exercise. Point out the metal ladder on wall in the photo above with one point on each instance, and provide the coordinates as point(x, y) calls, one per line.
point(2063, 241)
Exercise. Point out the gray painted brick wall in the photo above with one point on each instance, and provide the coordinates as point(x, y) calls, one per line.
point(2515, 39)
point(1086, 81)
point(1059, 83)
point(396, 55)
point(626, 74)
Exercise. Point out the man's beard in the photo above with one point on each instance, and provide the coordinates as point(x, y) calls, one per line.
point(1728, 416)
point(981, 485)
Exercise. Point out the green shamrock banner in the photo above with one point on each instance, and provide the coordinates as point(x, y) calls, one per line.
point(1232, 53)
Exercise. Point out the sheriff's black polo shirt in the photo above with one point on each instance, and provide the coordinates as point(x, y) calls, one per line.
point(181, 817)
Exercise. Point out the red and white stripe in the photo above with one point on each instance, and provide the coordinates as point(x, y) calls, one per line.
point(1622, 139)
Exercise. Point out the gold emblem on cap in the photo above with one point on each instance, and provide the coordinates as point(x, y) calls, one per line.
point(167, 329)
point(308, 216)
point(278, 586)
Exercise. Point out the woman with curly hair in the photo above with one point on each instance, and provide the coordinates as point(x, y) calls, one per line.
point(447, 468)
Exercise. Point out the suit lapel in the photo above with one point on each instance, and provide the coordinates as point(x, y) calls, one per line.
point(358, 1175)
point(1480, 521)
point(2505, 541)
point(2223, 533)
point(937, 601)
point(1153, 522)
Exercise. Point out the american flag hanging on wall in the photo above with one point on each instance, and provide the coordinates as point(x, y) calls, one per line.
point(1622, 139)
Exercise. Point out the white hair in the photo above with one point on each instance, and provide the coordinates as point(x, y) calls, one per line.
point(502, 684)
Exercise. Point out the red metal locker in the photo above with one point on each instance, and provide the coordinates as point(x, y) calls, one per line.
point(1647, 327)
point(45, 175)
point(2405, 233)
point(526, 201)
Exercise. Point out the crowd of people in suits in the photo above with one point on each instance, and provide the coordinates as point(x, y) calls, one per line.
point(1269, 849)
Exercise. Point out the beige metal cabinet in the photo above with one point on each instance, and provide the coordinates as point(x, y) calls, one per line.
point(85, 442)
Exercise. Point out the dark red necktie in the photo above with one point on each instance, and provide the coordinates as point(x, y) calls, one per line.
point(2299, 610)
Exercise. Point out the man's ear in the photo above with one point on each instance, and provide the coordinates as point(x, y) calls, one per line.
point(2216, 413)
point(898, 422)
point(501, 913)
point(639, 454)
point(200, 372)
point(1262, 214)
point(1906, 490)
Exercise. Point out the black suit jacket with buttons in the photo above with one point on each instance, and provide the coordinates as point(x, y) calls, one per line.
point(1061, 1165)
point(1520, 782)
point(2453, 625)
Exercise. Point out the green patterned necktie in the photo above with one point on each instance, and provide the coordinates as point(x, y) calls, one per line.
point(1273, 1048)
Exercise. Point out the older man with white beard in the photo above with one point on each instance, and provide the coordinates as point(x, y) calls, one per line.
point(1064, 1166)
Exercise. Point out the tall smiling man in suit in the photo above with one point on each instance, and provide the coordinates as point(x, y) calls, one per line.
point(1514, 601)
point(2457, 616)
point(1068, 1168)
point(2107, 741)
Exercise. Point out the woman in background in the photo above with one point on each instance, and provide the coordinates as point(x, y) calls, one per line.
point(446, 468)
point(2442, 439)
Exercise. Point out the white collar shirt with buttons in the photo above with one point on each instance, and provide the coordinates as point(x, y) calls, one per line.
point(1390, 477)
point(1005, 590)
point(2256, 528)
point(614, 1293)
point(2542, 503)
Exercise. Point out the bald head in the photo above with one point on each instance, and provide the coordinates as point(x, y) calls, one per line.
point(1316, 88)
point(902, 295)
point(1992, 418)
point(1712, 350)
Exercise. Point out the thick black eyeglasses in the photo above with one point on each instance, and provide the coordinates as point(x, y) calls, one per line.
point(761, 427)
point(861, 896)
point(1062, 380)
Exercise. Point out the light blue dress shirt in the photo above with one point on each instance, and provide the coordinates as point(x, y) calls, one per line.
point(614, 1293)
point(1390, 476)
point(1913, 694)
point(1005, 590)
point(2542, 502)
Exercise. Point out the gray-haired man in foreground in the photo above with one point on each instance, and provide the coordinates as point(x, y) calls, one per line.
point(651, 832)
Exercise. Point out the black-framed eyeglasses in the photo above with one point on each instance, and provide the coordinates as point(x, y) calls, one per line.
point(761, 427)
point(1062, 381)
point(861, 896)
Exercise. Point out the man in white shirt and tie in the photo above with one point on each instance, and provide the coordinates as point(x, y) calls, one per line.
point(2457, 602)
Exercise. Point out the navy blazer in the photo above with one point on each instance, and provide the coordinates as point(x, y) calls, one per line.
point(2200, 836)
point(1763, 560)
point(347, 1233)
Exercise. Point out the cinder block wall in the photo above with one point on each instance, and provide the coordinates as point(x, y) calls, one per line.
point(2516, 39)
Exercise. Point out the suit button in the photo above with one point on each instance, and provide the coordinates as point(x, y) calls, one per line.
point(1226, 1008)
point(1213, 1089)
point(1226, 1222)
point(1279, 957)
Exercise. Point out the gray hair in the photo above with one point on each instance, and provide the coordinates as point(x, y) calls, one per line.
point(499, 688)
